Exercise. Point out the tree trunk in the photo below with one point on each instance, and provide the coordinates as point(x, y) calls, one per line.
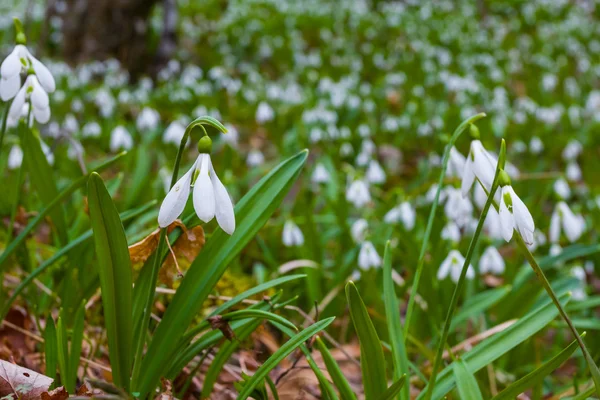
point(101, 29)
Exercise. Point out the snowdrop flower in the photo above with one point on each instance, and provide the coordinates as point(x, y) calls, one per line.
point(174, 133)
point(457, 208)
point(147, 119)
point(210, 196)
point(375, 174)
point(572, 150)
point(264, 113)
point(452, 266)
point(232, 135)
point(358, 194)
point(492, 224)
point(19, 60)
point(451, 232)
point(561, 188)
point(573, 171)
point(15, 157)
point(120, 139)
point(368, 256)
point(479, 164)
point(536, 146)
point(91, 130)
point(539, 239)
point(32, 90)
point(514, 213)
point(346, 149)
point(456, 163)
point(358, 230)
point(292, 235)
point(491, 262)
point(579, 292)
point(404, 213)
point(255, 158)
point(572, 224)
point(320, 174)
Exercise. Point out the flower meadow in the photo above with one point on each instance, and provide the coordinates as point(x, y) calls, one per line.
point(309, 200)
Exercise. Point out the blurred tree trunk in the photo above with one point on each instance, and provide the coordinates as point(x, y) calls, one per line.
point(101, 29)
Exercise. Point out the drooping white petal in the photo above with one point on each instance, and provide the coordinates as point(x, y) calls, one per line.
point(491, 261)
point(507, 221)
point(174, 203)
point(9, 87)
point(444, 269)
point(41, 115)
point(204, 195)
point(223, 205)
point(16, 107)
point(44, 76)
point(523, 219)
point(39, 97)
point(11, 65)
point(554, 233)
point(468, 176)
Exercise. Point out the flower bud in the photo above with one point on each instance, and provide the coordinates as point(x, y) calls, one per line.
point(205, 145)
point(474, 132)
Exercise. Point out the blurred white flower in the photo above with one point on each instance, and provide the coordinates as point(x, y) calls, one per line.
point(458, 208)
point(15, 157)
point(292, 235)
point(491, 262)
point(120, 139)
point(358, 230)
point(572, 150)
point(451, 232)
point(91, 130)
point(492, 224)
point(536, 146)
point(573, 172)
point(255, 158)
point(358, 193)
point(19, 60)
point(32, 91)
point(368, 256)
point(264, 113)
point(579, 292)
point(573, 225)
point(561, 188)
point(320, 174)
point(515, 215)
point(452, 266)
point(147, 119)
point(404, 213)
point(210, 197)
point(375, 174)
point(479, 164)
point(232, 135)
point(456, 163)
point(174, 133)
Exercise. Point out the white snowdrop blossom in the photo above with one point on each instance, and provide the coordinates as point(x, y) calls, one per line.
point(573, 225)
point(536, 146)
point(174, 133)
point(264, 113)
point(358, 193)
point(457, 208)
point(120, 138)
point(368, 256)
point(358, 230)
point(320, 174)
point(255, 158)
point(572, 150)
point(19, 60)
point(91, 130)
point(579, 292)
point(292, 235)
point(562, 189)
point(32, 91)
point(15, 157)
point(491, 262)
point(479, 164)
point(147, 119)
point(209, 195)
point(515, 215)
point(451, 232)
point(404, 213)
point(456, 163)
point(375, 174)
point(492, 224)
point(573, 172)
point(452, 266)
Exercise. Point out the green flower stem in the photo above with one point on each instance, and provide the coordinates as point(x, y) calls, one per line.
point(546, 284)
point(458, 291)
point(3, 127)
point(415, 286)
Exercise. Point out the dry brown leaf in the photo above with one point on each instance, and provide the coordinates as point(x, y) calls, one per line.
point(21, 383)
point(140, 251)
point(299, 384)
point(59, 393)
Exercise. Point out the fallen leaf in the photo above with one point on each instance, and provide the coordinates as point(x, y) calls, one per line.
point(21, 383)
point(59, 393)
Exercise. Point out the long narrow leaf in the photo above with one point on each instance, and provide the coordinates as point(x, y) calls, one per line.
point(372, 361)
point(466, 382)
point(114, 269)
point(252, 212)
point(393, 390)
point(51, 348)
point(280, 354)
point(392, 314)
point(335, 372)
point(76, 345)
point(63, 353)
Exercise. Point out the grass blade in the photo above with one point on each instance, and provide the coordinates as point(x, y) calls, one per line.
point(392, 314)
point(63, 354)
point(51, 348)
point(114, 269)
point(252, 212)
point(466, 382)
point(260, 314)
point(335, 372)
point(372, 360)
point(393, 390)
point(478, 304)
point(538, 375)
point(280, 354)
point(76, 345)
